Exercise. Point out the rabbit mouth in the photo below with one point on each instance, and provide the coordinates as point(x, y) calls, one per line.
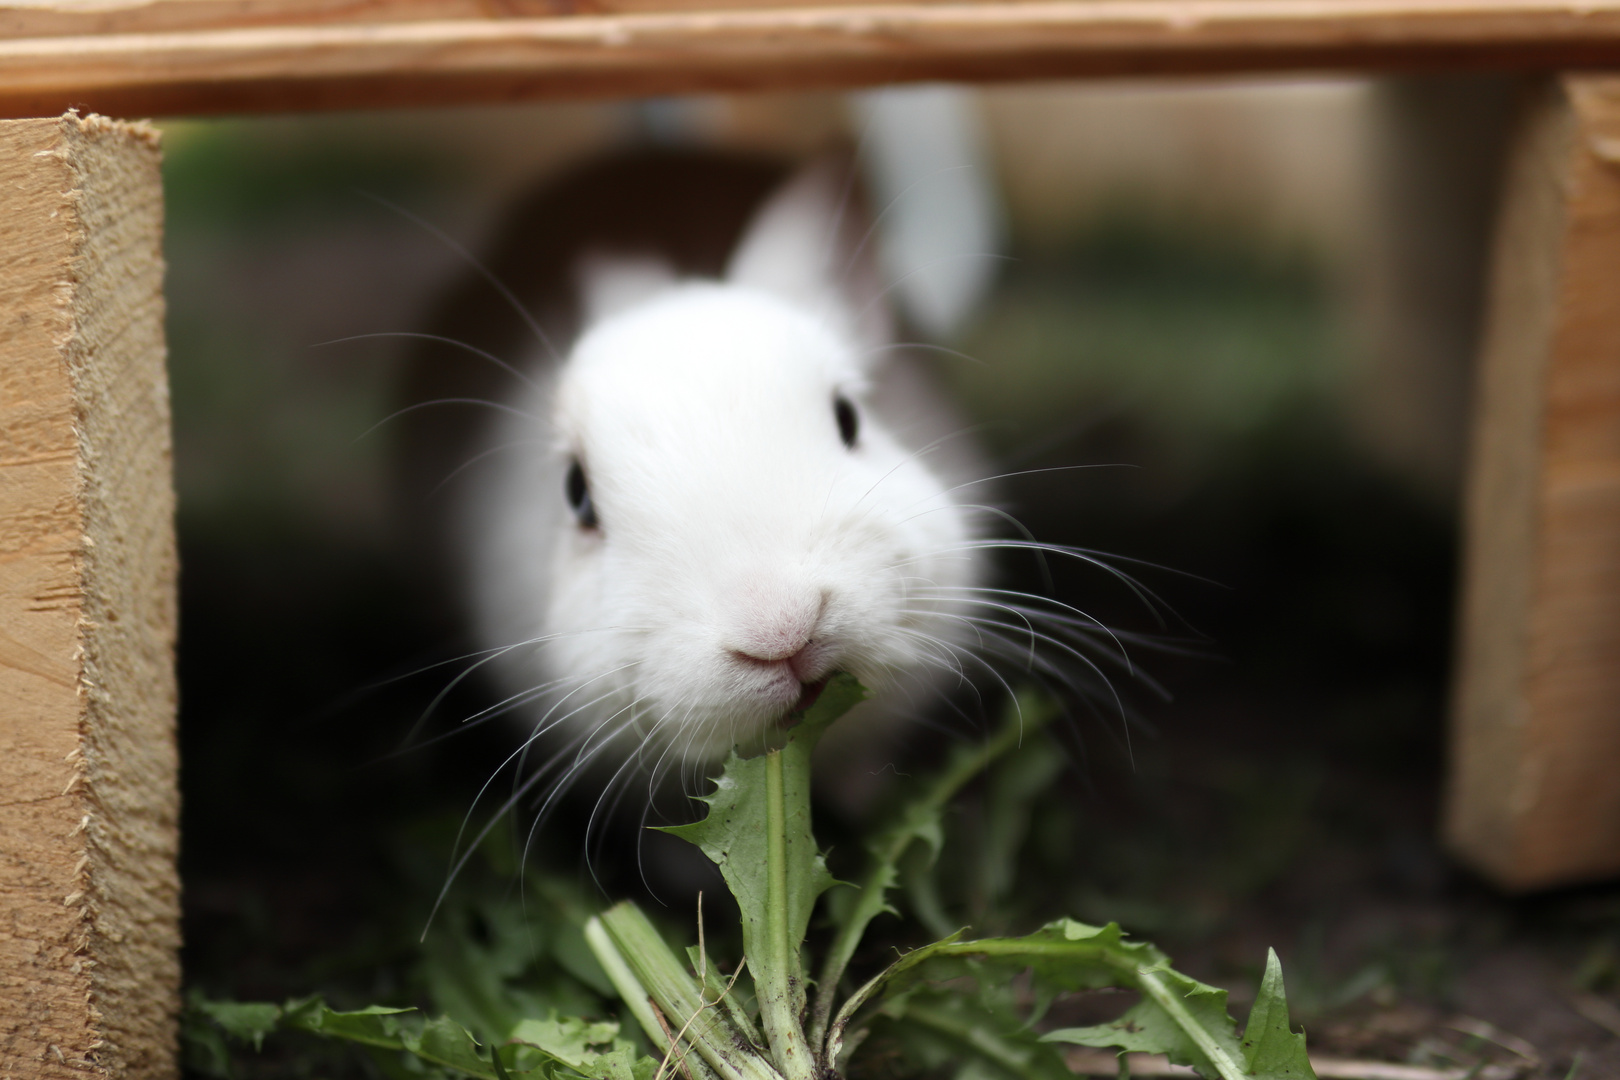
point(807, 698)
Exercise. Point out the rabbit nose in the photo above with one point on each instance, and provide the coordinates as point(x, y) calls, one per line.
point(784, 634)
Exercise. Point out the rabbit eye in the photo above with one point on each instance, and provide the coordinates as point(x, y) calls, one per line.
point(579, 496)
point(849, 421)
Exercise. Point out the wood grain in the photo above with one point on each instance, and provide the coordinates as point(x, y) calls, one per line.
point(201, 56)
point(89, 899)
point(79, 18)
point(1534, 798)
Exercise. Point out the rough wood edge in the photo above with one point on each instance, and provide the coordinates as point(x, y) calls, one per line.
point(89, 893)
point(117, 358)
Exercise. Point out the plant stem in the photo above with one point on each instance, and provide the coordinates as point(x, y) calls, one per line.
point(624, 981)
point(1171, 1002)
point(654, 966)
point(776, 851)
point(778, 979)
point(717, 988)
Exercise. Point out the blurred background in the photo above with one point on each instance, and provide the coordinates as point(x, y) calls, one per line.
point(1254, 303)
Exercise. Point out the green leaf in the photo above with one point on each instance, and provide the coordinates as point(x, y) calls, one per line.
point(945, 1027)
point(571, 1040)
point(757, 831)
point(494, 957)
point(203, 1043)
point(1014, 784)
point(1177, 1016)
point(403, 1044)
point(591, 1049)
point(376, 1025)
point(501, 1071)
point(1271, 1050)
point(1063, 955)
point(440, 1042)
point(445, 1042)
point(917, 822)
point(1187, 1021)
point(248, 1021)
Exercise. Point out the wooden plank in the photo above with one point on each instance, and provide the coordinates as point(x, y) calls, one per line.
point(198, 56)
point(1534, 798)
point(99, 18)
point(89, 897)
point(74, 18)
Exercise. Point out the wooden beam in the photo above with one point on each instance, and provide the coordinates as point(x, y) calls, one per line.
point(1535, 790)
point(202, 56)
point(89, 896)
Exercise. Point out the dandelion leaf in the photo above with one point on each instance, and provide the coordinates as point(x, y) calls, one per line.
point(445, 1042)
point(570, 1040)
point(734, 836)
point(375, 1025)
point(1187, 1021)
point(1271, 1049)
point(1185, 1036)
point(1178, 1016)
point(733, 833)
point(590, 1049)
point(757, 831)
point(248, 1021)
point(975, 1035)
point(404, 1044)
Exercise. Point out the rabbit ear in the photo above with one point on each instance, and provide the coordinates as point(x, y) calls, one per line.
point(609, 284)
point(809, 244)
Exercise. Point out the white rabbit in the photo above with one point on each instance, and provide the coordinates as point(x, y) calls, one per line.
point(724, 491)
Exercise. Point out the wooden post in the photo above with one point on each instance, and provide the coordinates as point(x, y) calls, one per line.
point(89, 896)
point(1534, 799)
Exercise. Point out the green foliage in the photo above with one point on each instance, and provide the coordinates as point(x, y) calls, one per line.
point(917, 829)
point(646, 968)
point(590, 1049)
point(950, 1003)
point(548, 1049)
point(1177, 1016)
point(776, 873)
point(981, 1034)
point(494, 960)
point(250, 1022)
point(205, 1024)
